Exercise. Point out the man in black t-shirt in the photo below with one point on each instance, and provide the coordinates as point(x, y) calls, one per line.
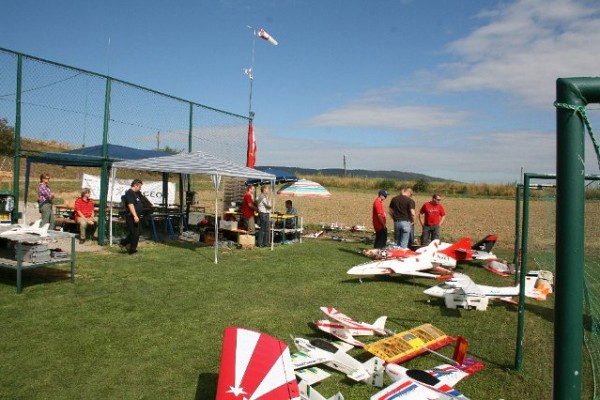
point(402, 210)
point(133, 212)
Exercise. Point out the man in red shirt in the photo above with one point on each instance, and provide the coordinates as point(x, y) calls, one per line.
point(84, 214)
point(431, 216)
point(379, 220)
point(248, 208)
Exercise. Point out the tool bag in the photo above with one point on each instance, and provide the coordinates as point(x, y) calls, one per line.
point(34, 252)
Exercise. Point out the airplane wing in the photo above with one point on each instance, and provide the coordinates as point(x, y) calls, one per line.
point(447, 374)
point(302, 359)
point(255, 365)
point(467, 285)
point(405, 389)
point(312, 375)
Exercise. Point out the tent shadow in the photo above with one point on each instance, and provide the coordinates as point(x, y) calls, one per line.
point(207, 386)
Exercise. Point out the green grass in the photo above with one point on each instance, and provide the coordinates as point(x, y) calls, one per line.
point(151, 327)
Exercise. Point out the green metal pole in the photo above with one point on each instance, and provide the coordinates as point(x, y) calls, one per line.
point(17, 164)
point(522, 274)
point(104, 172)
point(570, 207)
point(516, 258)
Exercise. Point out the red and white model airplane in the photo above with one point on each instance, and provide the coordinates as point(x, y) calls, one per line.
point(430, 258)
point(412, 384)
point(345, 328)
point(461, 251)
point(256, 366)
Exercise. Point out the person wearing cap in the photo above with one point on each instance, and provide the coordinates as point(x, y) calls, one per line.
point(379, 220)
point(431, 216)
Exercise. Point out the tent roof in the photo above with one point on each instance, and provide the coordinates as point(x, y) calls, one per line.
point(92, 156)
point(197, 162)
point(281, 176)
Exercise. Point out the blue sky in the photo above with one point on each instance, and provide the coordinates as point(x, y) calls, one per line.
point(459, 89)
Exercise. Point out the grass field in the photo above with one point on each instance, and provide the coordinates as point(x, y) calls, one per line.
point(151, 327)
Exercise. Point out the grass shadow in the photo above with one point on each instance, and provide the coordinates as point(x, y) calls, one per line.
point(206, 388)
point(33, 277)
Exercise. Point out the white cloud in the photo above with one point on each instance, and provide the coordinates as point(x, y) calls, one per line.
point(391, 117)
point(525, 47)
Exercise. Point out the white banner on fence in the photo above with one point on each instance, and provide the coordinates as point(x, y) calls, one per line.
point(152, 190)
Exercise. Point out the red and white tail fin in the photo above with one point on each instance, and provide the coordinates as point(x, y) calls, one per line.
point(255, 365)
point(460, 250)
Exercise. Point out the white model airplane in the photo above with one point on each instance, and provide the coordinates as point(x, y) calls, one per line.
point(33, 229)
point(461, 291)
point(334, 355)
point(413, 384)
point(255, 365)
point(429, 259)
point(345, 328)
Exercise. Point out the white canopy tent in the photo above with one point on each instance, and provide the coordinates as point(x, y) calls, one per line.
point(193, 163)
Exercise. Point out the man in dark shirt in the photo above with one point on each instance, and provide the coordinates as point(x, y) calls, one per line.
point(402, 210)
point(133, 211)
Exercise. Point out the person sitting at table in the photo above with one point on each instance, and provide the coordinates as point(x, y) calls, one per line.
point(84, 214)
point(290, 210)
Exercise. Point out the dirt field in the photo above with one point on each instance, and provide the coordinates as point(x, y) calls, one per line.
point(474, 217)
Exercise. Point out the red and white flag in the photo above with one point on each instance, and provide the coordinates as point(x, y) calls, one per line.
point(264, 35)
point(251, 157)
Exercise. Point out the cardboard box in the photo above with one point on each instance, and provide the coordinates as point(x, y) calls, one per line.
point(231, 225)
point(209, 238)
point(247, 241)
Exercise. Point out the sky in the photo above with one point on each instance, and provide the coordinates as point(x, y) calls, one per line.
point(460, 89)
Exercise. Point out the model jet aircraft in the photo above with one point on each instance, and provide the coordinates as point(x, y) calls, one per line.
point(461, 291)
point(429, 259)
point(345, 328)
point(461, 251)
point(334, 355)
point(34, 229)
point(257, 366)
point(412, 384)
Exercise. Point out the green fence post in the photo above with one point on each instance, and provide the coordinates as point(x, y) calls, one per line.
point(17, 163)
point(570, 205)
point(104, 172)
point(522, 272)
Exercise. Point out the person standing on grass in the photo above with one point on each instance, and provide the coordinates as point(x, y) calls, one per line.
point(248, 209)
point(84, 214)
point(402, 210)
point(379, 220)
point(431, 217)
point(45, 197)
point(264, 215)
point(132, 200)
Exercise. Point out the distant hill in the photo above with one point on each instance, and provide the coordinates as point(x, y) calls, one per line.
point(362, 173)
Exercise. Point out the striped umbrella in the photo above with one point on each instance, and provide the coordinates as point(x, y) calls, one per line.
point(304, 188)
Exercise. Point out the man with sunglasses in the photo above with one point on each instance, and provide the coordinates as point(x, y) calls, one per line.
point(431, 216)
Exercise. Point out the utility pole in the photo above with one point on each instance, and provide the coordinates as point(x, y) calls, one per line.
point(345, 165)
point(158, 141)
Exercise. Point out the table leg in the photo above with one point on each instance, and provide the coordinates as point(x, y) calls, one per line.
point(19, 267)
point(73, 259)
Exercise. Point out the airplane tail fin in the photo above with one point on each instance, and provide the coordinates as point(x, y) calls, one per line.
point(307, 392)
point(538, 284)
point(375, 368)
point(254, 362)
point(486, 244)
point(460, 250)
point(380, 323)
